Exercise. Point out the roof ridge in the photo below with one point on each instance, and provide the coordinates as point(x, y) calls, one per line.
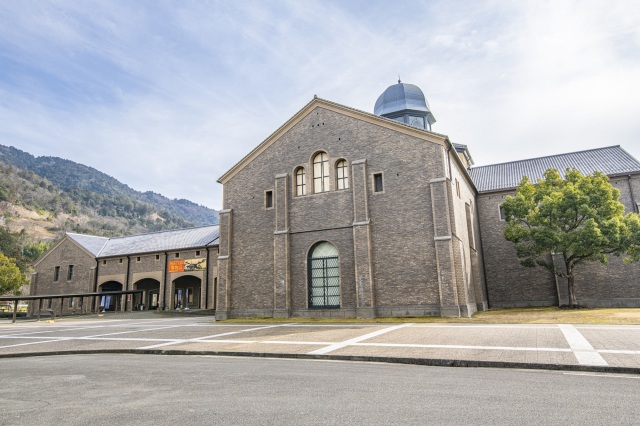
point(550, 156)
point(86, 235)
point(162, 232)
point(380, 116)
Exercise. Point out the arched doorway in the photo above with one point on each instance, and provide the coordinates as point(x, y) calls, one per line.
point(186, 294)
point(150, 299)
point(110, 302)
point(324, 276)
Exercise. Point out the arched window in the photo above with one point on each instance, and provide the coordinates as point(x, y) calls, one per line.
point(301, 184)
point(321, 173)
point(342, 174)
point(324, 276)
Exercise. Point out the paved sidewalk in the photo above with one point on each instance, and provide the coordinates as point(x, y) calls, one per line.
point(575, 347)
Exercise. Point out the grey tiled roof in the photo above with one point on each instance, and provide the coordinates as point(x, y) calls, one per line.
point(91, 243)
point(162, 241)
point(612, 160)
point(179, 239)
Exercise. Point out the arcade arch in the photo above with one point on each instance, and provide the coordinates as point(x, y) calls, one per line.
point(186, 293)
point(110, 302)
point(150, 298)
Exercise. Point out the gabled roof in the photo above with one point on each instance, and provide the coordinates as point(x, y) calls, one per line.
point(90, 243)
point(612, 160)
point(179, 239)
point(335, 107)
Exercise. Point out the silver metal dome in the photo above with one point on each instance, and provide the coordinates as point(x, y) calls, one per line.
point(403, 98)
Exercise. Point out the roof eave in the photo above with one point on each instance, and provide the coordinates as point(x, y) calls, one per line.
point(332, 106)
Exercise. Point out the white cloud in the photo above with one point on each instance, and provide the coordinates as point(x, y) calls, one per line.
point(168, 96)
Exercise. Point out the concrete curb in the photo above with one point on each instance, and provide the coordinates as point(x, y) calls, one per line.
point(359, 358)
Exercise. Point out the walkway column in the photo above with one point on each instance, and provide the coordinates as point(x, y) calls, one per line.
point(33, 289)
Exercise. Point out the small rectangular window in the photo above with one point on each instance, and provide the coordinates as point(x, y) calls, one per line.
point(177, 255)
point(70, 273)
point(377, 183)
point(56, 273)
point(457, 188)
point(197, 253)
point(119, 260)
point(104, 262)
point(502, 215)
point(138, 259)
point(157, 257)
point(268, 199)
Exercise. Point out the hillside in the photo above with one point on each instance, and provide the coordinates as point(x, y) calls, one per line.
point(68, 175)
point(46, 196)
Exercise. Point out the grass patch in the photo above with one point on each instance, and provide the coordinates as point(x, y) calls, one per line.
point(545, 315)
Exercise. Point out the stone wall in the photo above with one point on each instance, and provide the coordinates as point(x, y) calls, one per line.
point(511, 285)
point(388, 261)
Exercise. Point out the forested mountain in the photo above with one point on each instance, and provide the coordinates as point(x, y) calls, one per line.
point(86, 181)
point(46, 196)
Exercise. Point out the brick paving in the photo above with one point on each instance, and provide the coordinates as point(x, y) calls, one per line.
point(547, 344)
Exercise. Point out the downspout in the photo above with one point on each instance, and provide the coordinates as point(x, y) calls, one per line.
point(634, 206)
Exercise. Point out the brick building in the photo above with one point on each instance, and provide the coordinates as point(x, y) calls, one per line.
point(343, 213)
point(174, 269)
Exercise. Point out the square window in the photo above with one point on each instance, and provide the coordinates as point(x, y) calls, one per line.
point(197, 253)
point(104, 262)
point(378, 185)
point(177, 255)
point(138, 259)
point(157, 257)
point(268, 199)
point(119, 260)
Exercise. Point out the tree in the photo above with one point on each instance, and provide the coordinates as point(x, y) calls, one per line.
point(11, 279)
point(578, 218)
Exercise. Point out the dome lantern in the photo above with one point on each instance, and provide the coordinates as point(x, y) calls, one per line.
point(406, 104)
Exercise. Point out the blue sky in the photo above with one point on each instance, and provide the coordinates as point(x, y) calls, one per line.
point(168, 95)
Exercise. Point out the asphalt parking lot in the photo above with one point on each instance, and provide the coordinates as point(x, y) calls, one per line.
point(572, 346)
point(123, 389)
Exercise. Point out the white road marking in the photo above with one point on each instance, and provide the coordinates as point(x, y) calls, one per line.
point(618, 351)
point(484, 348)
point(340, 345)
point(195, 340)
point(35, 343)
point(536, 326)
point(582, 349)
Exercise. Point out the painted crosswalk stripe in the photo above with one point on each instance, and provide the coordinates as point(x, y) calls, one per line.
point(582, 349)
point(341, 345)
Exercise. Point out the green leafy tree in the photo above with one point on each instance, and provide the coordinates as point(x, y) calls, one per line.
point(579, 218)
point(11, 279)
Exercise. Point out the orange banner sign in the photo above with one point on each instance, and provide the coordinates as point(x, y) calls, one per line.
point(187, 265)
point(176, 266)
